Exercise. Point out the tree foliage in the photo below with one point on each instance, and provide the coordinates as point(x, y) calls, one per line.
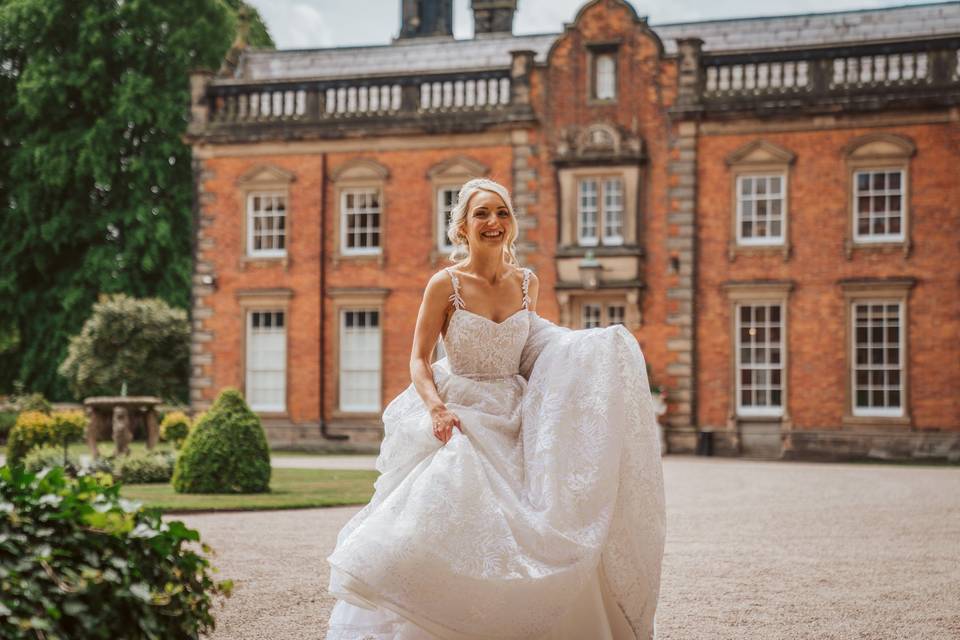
point(144, 344)
point(95, 181)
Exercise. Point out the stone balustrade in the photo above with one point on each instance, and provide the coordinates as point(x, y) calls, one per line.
point(230, 102)
point(827, 73)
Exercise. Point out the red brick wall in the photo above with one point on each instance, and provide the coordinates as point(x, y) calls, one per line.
point(818, 210)
point(408, 221)
point(232, 274)
point(646, 88)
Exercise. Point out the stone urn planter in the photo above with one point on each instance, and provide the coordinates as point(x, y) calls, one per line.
point(660, 408)
point(118, 415)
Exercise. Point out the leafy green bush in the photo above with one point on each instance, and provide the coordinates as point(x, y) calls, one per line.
point(36, 429)
point(146, 467)
point(226, 451)
point(32, 429)
point(174, 428)
point(144, 344)
point(81, 563)
point(7, 420)
point(50, 456)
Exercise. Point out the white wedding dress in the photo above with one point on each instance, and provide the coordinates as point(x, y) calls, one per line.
point(542, 519)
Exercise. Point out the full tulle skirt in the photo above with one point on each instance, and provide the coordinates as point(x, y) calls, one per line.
point(544, 512)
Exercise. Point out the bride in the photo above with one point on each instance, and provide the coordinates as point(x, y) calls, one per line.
point(520, 493)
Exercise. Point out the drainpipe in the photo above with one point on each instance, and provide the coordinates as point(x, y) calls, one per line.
point(323, 297)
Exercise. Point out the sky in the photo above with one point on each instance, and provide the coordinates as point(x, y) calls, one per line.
point(305, 24)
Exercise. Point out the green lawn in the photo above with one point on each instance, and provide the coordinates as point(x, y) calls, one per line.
point(290, 489)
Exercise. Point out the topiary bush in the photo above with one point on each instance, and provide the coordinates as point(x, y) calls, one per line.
point(68, 426)
point(81, 563)
point(142, 468)
point(226, 451)
point(50, 456)
point(36, 429)
point(174, 428)
point(32, 429)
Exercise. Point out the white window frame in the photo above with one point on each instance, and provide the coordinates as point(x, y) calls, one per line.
point(601, 237)
point(341, 334)
point(592, 240)
point(344, 215)
point(588, 308)
point(609, 317)
point(612, 239)
point(266, 253)
point(856, 410)
point(605, 77)
point(768, 240)
point(768, 410)
point(855, 205)
point(250, 371)
point(443, 242)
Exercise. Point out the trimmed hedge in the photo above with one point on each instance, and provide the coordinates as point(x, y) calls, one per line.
point(81, 563)
point(144, 467)
point(226, 451)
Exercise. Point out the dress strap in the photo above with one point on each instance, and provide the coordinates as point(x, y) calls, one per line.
point(526, 283)
point(455, 296)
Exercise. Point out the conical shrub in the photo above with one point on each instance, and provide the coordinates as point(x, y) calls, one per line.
point(225, 452)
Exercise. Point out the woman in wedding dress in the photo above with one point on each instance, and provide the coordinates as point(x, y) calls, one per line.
point(520, 493)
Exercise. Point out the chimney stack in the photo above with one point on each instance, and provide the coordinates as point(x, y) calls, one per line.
point(493, 16)
point(425, 18)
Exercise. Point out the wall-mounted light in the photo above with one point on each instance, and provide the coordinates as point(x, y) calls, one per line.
point(590, 270)
point(208, 280)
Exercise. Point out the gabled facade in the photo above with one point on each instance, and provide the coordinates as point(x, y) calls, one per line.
point(769, 205)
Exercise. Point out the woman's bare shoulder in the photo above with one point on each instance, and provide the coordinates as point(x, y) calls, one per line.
point(440, 285)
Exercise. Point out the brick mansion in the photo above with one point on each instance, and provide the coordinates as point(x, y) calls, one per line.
point(770, 205)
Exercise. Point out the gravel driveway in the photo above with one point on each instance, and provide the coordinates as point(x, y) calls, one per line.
point(760, 550)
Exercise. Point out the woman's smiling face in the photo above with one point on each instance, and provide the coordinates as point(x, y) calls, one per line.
point(488, 220)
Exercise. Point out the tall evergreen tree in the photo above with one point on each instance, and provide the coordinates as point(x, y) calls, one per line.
point(95, 181)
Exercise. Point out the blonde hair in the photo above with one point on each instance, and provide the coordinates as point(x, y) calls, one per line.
point(458, 217)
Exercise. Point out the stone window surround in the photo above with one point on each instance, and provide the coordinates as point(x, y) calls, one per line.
point(892, 290)
point(755, 159)
point(878, 151)
point(571, 306)
point(569, 177)
point(264, 178)
point(761, 291)
point(595, 50)
point(359, 173)
point(350, 298)
point(449, 173)
point(265, 300)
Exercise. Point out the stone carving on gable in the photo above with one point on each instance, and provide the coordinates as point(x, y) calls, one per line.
point(598, 142)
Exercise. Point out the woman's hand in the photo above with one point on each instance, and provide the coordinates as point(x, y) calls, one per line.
point(444, 421)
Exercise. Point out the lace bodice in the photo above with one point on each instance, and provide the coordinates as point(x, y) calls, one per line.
point(476, 346)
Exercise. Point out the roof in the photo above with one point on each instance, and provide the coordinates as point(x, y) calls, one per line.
point(421, 55)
